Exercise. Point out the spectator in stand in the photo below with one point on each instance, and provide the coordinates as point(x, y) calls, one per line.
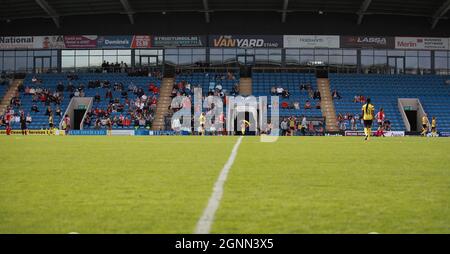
point(280, 90)
point(97, 98)
point(34, 108)
point(285, 105)
point(29, 119)
point(336, 95)
point(316, 95)
point(318, 104)
point(307, 104)
point(48, 111)
point(310, 93)
point(60, 87)
point(108, 94)
point(273, 90)
point(58, 111)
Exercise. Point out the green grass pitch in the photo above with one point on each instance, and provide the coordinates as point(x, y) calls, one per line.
point(56, 184)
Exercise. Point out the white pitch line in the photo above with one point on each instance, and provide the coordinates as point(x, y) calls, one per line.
point(205, 222)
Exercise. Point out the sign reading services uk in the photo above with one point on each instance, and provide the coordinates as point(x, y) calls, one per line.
point(422, 43)
point(179, 41)
point(246, 41)
point(311, 41)
point(367, 42)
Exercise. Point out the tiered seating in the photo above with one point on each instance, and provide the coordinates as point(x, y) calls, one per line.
point(3, 90)
point(263, 82)
point(386, 89)
point(50, 81)
point(209, 80)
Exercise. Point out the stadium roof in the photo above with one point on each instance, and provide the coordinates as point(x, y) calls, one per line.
point(434, 10)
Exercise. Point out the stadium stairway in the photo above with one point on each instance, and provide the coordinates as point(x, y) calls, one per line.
point(9, 95)
point(245, 86)
point(327, 105)
point(164, 101)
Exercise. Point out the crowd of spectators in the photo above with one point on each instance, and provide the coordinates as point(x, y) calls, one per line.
point(300, 126)
point(124, 112)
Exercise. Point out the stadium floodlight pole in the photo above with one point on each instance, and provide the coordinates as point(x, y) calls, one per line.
point(364, 6)
point(49, 10)
point(283, 14)
point(128, 10)
point(440, 13)
point(206, 10)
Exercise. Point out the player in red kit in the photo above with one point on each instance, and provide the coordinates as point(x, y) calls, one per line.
point(380, 119)
point(8, 118)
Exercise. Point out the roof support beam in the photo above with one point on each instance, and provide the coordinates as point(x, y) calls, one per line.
point(283, 13)
point(440, 13)
point(128, 10)
point(49, 10)
point(364, 6)
point(206, 10)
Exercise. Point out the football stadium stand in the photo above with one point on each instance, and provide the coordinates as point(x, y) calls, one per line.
point(384, 90)
point(94, 84)
point(294, 103)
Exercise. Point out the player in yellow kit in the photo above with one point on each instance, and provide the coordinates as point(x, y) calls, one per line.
point(202, 121)
point(244, 125)
point(433, 127)
point(425, 124)
point(368, 115)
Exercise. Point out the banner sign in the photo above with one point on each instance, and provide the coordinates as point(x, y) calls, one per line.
point(80, 41)
point(380, 42)
point(141, 132)
point(114, 41)
point(246, 41)
point(161, 133)
point(354, 133)
point(311, 41)
point(444, 134)
point(32, 42)
point(87, 132)
point(178, 41)
point(394, 134)
point(30, 132)
point(141, 41)
point(122, 132)
point(421, 43)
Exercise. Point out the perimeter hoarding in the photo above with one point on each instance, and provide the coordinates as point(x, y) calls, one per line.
point(311, 41)
point(246, 41)
point(179, 41)
point(422, 43)
point(32, 42)
point(119, 41)
point(380, 42)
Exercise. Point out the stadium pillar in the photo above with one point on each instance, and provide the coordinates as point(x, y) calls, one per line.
point(58, 61)
point(358, 61)
point(433, 67)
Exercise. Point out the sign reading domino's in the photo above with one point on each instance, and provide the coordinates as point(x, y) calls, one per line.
point(87, 132)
